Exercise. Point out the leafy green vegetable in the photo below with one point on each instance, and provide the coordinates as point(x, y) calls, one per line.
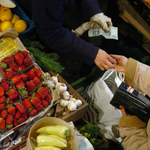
point(91, 132)
point(47, 61)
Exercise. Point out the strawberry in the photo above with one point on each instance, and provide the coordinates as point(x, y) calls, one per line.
point(35, 101)
point(27, 103)
point(21, 107)
point(31, 74)
point(2, 99)
point(48, 98)
point(30, 85)
point(24, 77)
point(25, 116)
point(1, 91)
point(4, 114)
point(2, 124)
point(18, 115)
point(45, 103)
point(33, 112)
point(9, 60)
point(39, 108)
point(25, 53)
point(47, 88)
point(27, 135)
point(11, 110)
point(15, 122)
point(16, 79)
point(19, 58)
point(15, 73)
point(10, 101)
point(27, 61)
point(36, 80)
point(9, 119)
point(9, 73)
point(5, 85)
point(20, 85)
point(21, 67)
point(38, 73)
point(3, 66)
point(2, 107)
point(12, 94)
point(38, 96)
point(43, 92)
point(21, 120)
point(14, 67)
point(23, 92)
point(16, 149)
point(9, 127)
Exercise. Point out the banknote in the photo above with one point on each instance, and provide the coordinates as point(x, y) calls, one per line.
point(112, 34)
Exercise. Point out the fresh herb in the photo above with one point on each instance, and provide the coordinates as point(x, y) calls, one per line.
point(91, 132)
point(47, 61)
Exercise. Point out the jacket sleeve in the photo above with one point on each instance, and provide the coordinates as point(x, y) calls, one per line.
point(48, 16)
point(134, 133)
point(137, 75)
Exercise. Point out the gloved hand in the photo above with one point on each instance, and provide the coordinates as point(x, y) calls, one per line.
point(102, 20)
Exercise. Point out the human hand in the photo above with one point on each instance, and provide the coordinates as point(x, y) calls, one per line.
point(102, 20)
point(104, 61)
point(121, 63)
point(123, 111)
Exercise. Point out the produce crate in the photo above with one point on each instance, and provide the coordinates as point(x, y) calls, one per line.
point(19, 11)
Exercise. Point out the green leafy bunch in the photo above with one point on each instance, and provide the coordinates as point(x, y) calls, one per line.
point(91, 132)
point(47, 61)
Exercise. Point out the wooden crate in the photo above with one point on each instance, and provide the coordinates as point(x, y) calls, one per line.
point(81, 110)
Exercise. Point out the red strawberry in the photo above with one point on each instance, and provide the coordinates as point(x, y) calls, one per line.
point(31, 74)
point(14, 67)
point(28, 61)
point(36, 80)
point(35, 101)
point(27, 135)
point(15, 122)
point(2, 124)
point(33, 112)
point(18, 115)
point(9, 73)
point(12, 94)
point(47, 88)
point(2, 99)
point(15, 73)
point(25, 53)
point(30, 85)
point(16, 79)
point(25, 116)
point(45, 103)
point(38, 96)
point(9, 119)
point(21, 120)
point(5, 85)
point(19, 58)
point(4, 113)
point(10, 101)
point(38, 73)
point(2, 107)
point(43, 92)
point(21, 67)
point(11, 110)
point(3, 66)
point(1, 91)
point(9, 60)
point(24, 77)
point(49, 97)
point(27, 103)
point(21, 107)
point(20, 85)
point(39, 108)
point(16, 149)
point(9, 127)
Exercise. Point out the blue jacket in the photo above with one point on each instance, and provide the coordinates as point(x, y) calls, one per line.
point(48, 17)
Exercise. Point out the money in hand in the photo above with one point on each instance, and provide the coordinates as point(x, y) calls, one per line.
point(112, 34)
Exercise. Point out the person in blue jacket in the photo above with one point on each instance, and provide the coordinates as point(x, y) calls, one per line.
point(48, 16)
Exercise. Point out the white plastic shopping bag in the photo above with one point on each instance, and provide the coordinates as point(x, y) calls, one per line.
point(100, 112)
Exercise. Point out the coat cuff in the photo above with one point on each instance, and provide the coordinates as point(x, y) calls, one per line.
point(131, 121)
point(130, 71)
